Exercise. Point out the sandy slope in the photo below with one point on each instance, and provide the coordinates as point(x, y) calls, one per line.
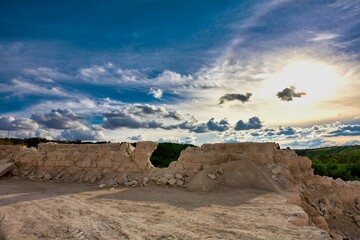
point(30, 210)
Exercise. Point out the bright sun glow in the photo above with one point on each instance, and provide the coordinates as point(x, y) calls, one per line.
point(318, 80)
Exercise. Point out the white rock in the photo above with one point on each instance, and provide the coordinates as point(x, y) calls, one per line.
point(178, 176)
point(168, 176)
point(145, 181)
point(102, 185)
point(179, 182)
point(111, 183)
point(211, 176)
point(6, 168)
point(172, 181)
point(47, 177)
point(133, 183)
point(162, 181)
point(220, 171)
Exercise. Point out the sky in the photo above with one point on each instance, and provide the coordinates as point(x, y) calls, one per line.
point(202, 71)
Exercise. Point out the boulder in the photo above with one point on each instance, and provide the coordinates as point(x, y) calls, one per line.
point(178, 176)
point(5, 168)
point(145, 181)
point(172, 181)
point(162, 181)
point(211, 176)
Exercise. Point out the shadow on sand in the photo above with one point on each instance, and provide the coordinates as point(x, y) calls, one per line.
point(182, 198)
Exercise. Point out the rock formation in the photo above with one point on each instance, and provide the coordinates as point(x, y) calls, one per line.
point(332, 205)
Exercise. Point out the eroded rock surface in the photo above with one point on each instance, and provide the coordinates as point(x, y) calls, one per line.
point(332, 205)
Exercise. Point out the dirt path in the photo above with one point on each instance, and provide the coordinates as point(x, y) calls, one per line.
point(30, 210)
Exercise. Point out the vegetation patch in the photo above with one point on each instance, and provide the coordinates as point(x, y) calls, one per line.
point(167, 153)
point(337, 162)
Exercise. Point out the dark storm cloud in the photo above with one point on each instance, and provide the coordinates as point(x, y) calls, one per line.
point(58, 119)
point(289, 93)
point(11, 124)
point(253, 123)
point(233, 96)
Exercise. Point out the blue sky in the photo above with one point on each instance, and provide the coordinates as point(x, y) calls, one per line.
point(182, 71)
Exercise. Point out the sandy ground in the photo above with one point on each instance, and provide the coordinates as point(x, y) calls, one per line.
point(33, 210)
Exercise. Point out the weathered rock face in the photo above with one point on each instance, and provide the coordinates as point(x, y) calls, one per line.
point(142, 154)
point(333, 205)
point(72, 162)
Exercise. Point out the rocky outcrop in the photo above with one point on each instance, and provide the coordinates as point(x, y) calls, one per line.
point(80, 163)
point(332, 205)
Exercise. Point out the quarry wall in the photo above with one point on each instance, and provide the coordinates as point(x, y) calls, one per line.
point(333, 205)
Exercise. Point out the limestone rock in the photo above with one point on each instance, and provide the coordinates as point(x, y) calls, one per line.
point(162, 181)
point(179, 182)
point(142, 154)
point(211, 176)
point(5, 168)
point(131, 183)
point(145, 181)
point(220, 171)
point(102, 185)
point(178, 176)
point(112, 183)
point(47, 177)
point(168, 176)
point(172, 181)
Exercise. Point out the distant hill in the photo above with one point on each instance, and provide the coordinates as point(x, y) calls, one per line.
point(337, 162)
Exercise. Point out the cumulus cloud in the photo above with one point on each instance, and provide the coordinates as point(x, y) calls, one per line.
point(58, 119)
point(346, 130)
point(313, 143)
point(170, 139)
point(9, 123)
point(141, 116)
point(232, 96)
point(156, 93)
point(253, 123)
point(94, 133)
point(286, 131)
point(139, 137)
point(146, 109)
point(289, 93)
point(118, 119)
point(221, 126)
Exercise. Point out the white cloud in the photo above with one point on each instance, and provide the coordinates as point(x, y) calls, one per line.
point(9, 123)
point(93, 72)
point(323, 37)
point(156, 92)
point(169, 139)
point(20, 87)
point(139, 137)
point(46, 74)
